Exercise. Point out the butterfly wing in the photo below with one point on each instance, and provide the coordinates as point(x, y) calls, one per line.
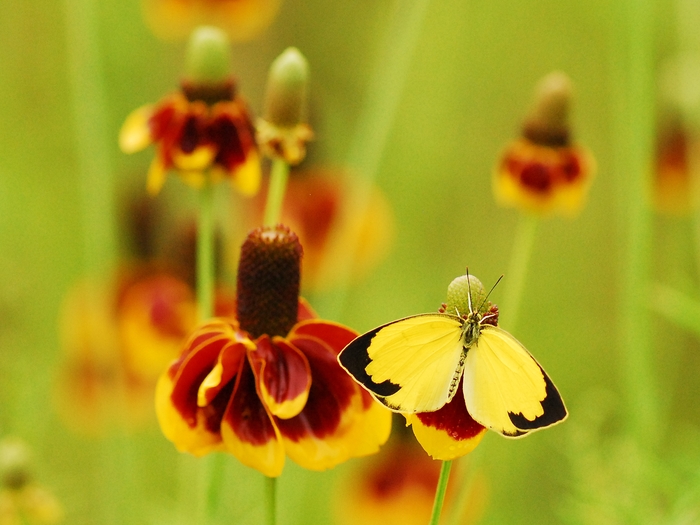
point(410, 365)
point(506, 389)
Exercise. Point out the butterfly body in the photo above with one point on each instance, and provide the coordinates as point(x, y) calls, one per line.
point(415, 365)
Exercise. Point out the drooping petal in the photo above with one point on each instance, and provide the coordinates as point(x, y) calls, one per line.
point(283, 376)
point(325, 432)
point(449, 432)
point(248, 430)
point(135, 133)
point(156, 176)
point(191, 427)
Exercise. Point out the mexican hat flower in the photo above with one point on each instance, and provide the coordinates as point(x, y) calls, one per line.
point(265, 384)
point(543, 171)
point(241, 19)
point(117, 335)
point(204, 131)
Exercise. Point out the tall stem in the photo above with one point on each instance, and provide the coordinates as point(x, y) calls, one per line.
point(275, 193)
point(519, 261)
point(634, 128)
point(205, 253)
point(271, 497)
point(440, 492)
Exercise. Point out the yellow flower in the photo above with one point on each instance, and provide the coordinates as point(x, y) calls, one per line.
point(194, 137)
point(543, 172)
point(241, 19)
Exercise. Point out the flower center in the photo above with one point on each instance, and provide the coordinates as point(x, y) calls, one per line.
point(268, 281)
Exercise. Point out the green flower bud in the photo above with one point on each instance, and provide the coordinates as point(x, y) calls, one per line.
point(285, 99)
point(208, 57)
point(458, 293)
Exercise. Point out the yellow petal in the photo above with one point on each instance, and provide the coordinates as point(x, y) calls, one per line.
point(246, 178)
point(156, 176)
point(135, 134)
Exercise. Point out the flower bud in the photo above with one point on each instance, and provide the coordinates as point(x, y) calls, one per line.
point(208, 58)
point(285, 99)
point(548, 121)
point(459, 292)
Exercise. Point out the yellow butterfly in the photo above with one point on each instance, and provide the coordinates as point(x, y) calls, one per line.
point(415, 364)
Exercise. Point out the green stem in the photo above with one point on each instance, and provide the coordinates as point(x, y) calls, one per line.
point(514, 280)
point(634, 140)
point(271, 496)
point(376, 119)
point(677, 307)
point(275, 193)
point(205, 254)
point(440, 492)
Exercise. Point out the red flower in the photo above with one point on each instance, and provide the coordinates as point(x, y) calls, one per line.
point(203, 128)
point(267, 384)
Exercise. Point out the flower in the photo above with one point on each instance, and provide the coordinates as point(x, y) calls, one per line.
point(283, 132)
point(398, 488)
point(240, 19)
point(21, 499)
point(204, 131)
point(117, 337)
point(542, 172)
point(674, 182)
point(316, 208)
point(266, 384)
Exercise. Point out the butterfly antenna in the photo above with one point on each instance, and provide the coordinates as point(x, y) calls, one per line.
point(491, 290)
point(469, 288)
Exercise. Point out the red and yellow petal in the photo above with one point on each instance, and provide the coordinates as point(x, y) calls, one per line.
point(449, 432)
point(135, 134)
point(191, 427)
point(248, 430)
point(283, 376)
point(543, 179)
point(325, 433)
point(157, 174)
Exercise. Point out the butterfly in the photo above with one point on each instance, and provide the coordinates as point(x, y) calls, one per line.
point(415, 364)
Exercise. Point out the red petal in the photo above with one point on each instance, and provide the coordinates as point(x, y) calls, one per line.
point(334, 335)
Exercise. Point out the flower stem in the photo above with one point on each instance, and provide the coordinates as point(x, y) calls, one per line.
point(440, 492)
point(517, 269)
point(271, 496)
point(205, 253)
point(275, 193)
point(634, 145)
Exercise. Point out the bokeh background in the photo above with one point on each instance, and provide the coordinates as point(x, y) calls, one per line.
point(71, 71)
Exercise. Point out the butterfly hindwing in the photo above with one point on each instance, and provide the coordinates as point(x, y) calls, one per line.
point(505, 388)
point(410, 364)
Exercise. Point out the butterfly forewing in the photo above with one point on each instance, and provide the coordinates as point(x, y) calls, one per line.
point(410, 365)
point(505, 389)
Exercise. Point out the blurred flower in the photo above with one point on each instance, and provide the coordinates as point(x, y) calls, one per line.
point(203, 132)
point(241, 19)
point(398, 488)
point(283, 132)
point(266, 383)
point(315, 206)
point(675, 181)
point(117, 337)
point(542, 172)
point(21, 499)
